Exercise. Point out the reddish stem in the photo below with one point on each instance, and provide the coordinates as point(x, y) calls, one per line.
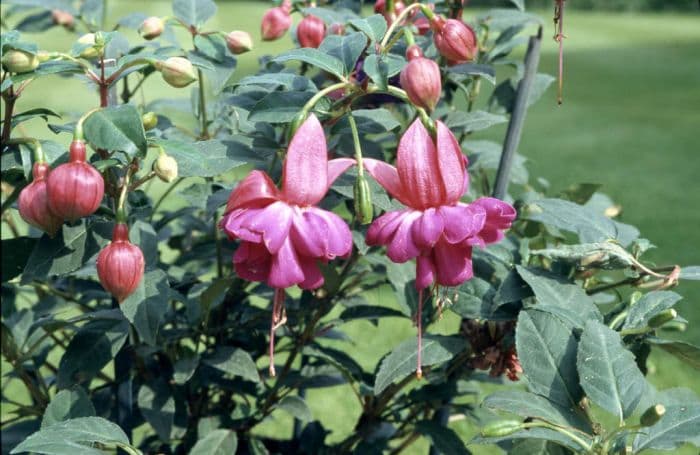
point(277, 302)
point(9, 107)
point(560, 37)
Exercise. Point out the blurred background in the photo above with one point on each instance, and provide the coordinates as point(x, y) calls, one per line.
point(630, 122)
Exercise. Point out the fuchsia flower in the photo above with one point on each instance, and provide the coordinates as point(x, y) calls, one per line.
point(435, 228)
point(283, 235)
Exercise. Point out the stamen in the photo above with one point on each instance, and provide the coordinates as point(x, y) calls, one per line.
point(419, 323)
point(278, 319)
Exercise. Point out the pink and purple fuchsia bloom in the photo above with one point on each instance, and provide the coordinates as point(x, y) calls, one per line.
point(283, 235)
point(436, 228)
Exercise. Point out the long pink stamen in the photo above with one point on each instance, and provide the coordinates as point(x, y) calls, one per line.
point(277, 302)
point(419, 323)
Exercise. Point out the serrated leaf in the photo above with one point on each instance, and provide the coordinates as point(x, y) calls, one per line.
point(649, 306)
point(679, 424)
point(184, 368)
point(296, 407)
point(216, 442)
point(444, 439)
point(68, 404)
point(157, 406)
point(487, 72)
point(204, 158)
point(346, 48)
point(403, 358)
point(546, 348)
point(373, 26)
point(74, 434)
point(233, 361)
point(473, 121)
point(688, 353)
point(608, 371)
point(92, 347)
point(194, 12)
point(315, 58)
point(117, 128)
point(146, 307)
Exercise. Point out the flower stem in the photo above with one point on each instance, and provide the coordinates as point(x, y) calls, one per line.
point(356, 142)
point(560, 430)
point(204, 133)
point(10, 100)
point(321, 93)
point(404, 14)
point(419, 325)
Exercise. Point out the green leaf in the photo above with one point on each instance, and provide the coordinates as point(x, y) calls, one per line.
point(33, 113)
point(537, 447)
point(203, 159)
point(588, 224)
point(690, 354)
point(547, 351)
point(526, 404)
point(609, 373)
point(296, 407)
point(403, 358)
point(146, 307)
point(649, 306)
point(555, 290)
point(93, 347)
point(69, 250)
point(444, 439)
point(157, 406)
point(346, 48)
point(487, 155)
point(235, 362)
point(117, 128)
point(679, 424)
point(380, 68)
point(473, 121)
point(217, 442)
point(279, 107)
point(292, 82)
point(212, 46)
point(371, 312)
point(68, 404)
point(520, 4)
point(194, 12)
point(373, 26)
point(606, 255)
point(73, 437)
point(486, 72)
point(315, 58)
point(184, 367)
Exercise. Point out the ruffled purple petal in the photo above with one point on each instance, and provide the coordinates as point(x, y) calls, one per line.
point(402, 247)
point(462, 221)
point(273, 222)
point(428, 228)
point(313, 278)
point(236, 224)
point(252, 261)
point(339, 235)
point(382, 229)
point(425, 271)
point(256, 190)
point(453, 264)
point(285, 270)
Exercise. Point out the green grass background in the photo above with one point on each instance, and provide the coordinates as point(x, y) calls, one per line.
point(630, 121)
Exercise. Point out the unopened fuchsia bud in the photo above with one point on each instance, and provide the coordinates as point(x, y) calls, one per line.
point(151, 27)
point(380, 8)
point(455, 40)
point(63, 18)
point(310, 31)
point(75, 189)
point(18, 61)
point(91, 50)
point(421, 79)
point(275, 23)
point(34, 202)
point(177, 71)
point(239, 42)
point(120, 264)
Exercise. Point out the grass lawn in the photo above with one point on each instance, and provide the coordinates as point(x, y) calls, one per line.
point(629, 122)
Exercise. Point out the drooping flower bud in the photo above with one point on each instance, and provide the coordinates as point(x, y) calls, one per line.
point(310, 31)
point(89, 52)
point(149, 120)
point(364, 212)
point(177, 71)
point(34, 204)
point(63, 18)
point(151, 27)
point(455, 40)
point(275, 23)
point(652, 415)
point(75, 189)
point(662, 318)
point(421, 79)
point(165, 168)
point(120, 264)
point(239, 42)
point(501, 428)
point(380, 8)
point(17, 61)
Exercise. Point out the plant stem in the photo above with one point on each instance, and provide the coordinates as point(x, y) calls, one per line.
point(10, 100)
point(561, 430)
point(321, 93)
point(204, 131)
point(404, 14)
point(356, 142)
point(163, 196)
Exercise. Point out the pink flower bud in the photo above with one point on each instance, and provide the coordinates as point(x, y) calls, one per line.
point(151, 27)
point(423, 25)
point(62, 18)
point(337, 29)
point(120, 264)
point(34, 202)
point(75, 189)
point(177, 71)
point(421, 79)
point(311, 31)
point(239, 42)
point(380, 8)
point(275, 23)
point(455, 40)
